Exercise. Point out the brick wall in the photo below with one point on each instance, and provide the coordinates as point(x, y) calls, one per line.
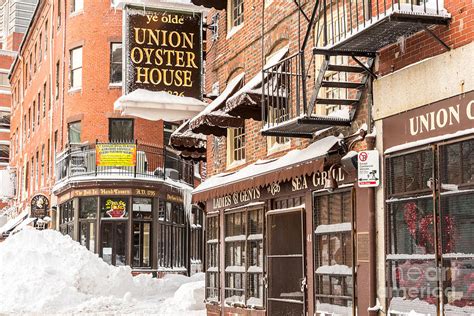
point(459, 32)
point(243, 52)
point(94, 28)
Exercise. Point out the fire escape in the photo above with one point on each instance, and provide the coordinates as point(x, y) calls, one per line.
point(323, 86)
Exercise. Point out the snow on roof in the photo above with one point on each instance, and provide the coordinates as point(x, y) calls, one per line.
point(183, 130)
point(12, 223)
point(294, 157)
point(257, 80)
point(166, 4)
point(221, 98)
point(158, 105)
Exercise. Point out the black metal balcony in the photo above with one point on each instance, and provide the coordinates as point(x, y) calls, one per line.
point(322, 87)
point(366, 26)
point(290, 111)
point(152, 162)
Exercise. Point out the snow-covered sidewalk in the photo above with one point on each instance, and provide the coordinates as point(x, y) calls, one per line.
point(46, 272)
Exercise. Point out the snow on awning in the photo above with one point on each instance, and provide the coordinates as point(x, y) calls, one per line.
point(264, 172)
point(212, 120)
point(246, 102)
point(216, 4)
point(191, 145)
point(23, 224)
point(14, 222)
point(158, 105)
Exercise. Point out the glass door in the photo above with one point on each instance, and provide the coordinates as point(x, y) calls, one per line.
point(285, 262)
point(114, 242)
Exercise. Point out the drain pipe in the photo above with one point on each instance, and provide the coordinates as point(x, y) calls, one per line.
point(370, 140)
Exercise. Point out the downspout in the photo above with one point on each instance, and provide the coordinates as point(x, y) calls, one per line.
point(370, 140)
point(63, 78)
point(52, 154)
point(52, 106)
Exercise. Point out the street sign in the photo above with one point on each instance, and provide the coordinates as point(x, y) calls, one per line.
point(368, 171)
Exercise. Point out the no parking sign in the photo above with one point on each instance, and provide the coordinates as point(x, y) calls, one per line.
point(368, 171)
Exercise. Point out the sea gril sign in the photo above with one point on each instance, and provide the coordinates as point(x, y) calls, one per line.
point(163, 51)
point(296, 184)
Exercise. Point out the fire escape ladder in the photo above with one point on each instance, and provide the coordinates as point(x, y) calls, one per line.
point(349, 88)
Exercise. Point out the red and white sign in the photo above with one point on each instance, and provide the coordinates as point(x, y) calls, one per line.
point(368, 171)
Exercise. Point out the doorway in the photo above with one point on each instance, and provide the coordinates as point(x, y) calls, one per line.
point(113, 242)
point(285, 262)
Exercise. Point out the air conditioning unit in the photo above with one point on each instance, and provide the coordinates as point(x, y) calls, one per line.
point(172, 174)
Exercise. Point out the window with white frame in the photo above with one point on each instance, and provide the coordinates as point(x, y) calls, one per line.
point(236, 13)
point(4, 120)
point(77, 5)
point(76, 68)
point(4, 153)
point(244, 258)
point(4, 82)
point(74, 132)
point(212, 258)
point(115, 62)
point(235, 146)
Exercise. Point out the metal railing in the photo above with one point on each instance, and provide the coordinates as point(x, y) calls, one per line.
point(152, 162)
point(283, 91)
point(344, 18)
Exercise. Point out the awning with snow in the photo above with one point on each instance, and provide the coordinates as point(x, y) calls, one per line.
point(216, 4)
point(191, 145)
point(12, 223)
point(246, 103)
point(212, 120)
point(158, 105)
point(264, 172)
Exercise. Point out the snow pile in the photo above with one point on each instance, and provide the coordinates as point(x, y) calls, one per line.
point(45, 272)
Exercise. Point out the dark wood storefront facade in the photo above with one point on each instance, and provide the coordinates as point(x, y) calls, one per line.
point(428, 201)
point(141, 224)
point(289, 248)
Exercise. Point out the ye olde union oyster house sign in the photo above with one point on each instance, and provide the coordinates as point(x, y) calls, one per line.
point(163, 51)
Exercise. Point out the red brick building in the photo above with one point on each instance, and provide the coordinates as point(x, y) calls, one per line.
point(14, 16)
point(290, 229)
point(65, 80)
